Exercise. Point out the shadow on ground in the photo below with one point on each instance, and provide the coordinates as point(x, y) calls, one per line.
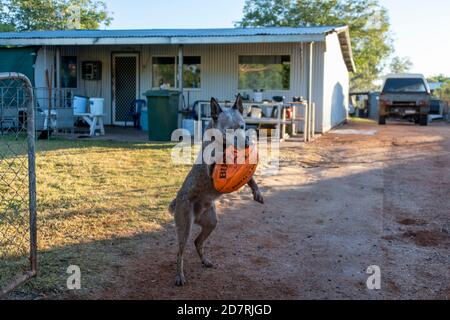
point(320, 229)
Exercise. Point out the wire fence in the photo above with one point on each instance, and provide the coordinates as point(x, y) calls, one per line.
point(97, 197)
point(58, 103)
point(17, 182)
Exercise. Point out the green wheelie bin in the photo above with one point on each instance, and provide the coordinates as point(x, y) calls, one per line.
point(162, 113)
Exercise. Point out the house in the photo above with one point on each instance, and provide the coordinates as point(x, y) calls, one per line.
point(120, 65)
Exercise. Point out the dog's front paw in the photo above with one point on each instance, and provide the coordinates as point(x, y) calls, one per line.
point(180, 280)
point(257, 196)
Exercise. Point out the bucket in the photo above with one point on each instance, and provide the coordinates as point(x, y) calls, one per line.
point(96, 105)
point(80, 104)
point(258, 96)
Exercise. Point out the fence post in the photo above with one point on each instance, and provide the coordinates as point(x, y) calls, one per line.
point(28, 104)
point(31, 140)
point(306, 123)
point(313, 120)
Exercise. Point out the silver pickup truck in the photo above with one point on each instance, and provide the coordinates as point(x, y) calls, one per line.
point(405, 96)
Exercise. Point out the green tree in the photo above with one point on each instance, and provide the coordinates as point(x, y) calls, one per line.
point(443, 92)
point(400, 65)
point(4, 26)
point(26, 15)
point(439, 78)
point(368, 22)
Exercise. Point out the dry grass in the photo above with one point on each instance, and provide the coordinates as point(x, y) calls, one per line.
point(94, 200)
point(362, 120)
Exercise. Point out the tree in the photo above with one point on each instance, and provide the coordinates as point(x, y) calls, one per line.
point(4, 26)
point(444, 91)
point(439, 78)
point(400, 65)
point(26, 15)
point(368, 22)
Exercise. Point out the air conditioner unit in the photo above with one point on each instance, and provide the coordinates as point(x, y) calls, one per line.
point(91, 70)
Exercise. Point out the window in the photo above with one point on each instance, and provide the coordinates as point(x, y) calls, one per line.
point(191, 72)
point(69, 72)
point(264, 72)
point(394, 85)
point(165, 70)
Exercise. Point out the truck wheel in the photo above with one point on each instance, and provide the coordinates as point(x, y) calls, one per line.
point(382, 120)
point(423, 120)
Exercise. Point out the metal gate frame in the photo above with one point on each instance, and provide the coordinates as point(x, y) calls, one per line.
point(31, 142)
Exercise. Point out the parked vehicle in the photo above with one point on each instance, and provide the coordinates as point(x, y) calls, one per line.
point(405, 96)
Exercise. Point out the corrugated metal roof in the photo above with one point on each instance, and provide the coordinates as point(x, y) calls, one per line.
point(150, 33)
point(181, 36)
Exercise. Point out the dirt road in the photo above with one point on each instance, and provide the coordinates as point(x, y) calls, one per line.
point(338, 206)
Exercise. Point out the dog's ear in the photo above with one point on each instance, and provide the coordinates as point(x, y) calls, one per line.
point(238, 104)
point(215, 109)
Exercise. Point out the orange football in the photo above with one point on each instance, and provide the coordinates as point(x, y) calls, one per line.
point(229, 178)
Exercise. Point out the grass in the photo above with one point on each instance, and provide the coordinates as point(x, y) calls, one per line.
point(92, 197)
point(362, 120)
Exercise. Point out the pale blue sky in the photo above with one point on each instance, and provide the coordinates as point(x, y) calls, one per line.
point(421, 28)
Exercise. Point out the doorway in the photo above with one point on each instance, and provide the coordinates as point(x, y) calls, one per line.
point(125, 86)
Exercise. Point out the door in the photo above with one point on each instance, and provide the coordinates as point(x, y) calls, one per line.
point(125, 86)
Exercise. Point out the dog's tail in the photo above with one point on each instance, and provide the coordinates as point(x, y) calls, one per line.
point(172, 206)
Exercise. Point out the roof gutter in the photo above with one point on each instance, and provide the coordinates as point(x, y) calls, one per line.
point(161, 40)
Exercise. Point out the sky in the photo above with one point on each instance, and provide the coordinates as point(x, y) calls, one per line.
point(420, 28)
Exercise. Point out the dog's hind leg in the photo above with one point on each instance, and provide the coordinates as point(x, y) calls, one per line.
point(184, 217)
point(208, 221)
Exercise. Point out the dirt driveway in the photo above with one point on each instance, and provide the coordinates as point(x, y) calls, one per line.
point(338, 205)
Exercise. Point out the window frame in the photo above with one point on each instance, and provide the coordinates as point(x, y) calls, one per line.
point(61, 82)
point(201, 72)
point(176, 71)
point(266, 55)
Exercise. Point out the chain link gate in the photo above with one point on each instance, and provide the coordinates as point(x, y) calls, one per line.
point(18, 234)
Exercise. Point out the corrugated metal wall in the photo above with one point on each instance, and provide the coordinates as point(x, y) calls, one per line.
point(317, 81)
point(219, 77)
point(336, 85)
point(44, 61)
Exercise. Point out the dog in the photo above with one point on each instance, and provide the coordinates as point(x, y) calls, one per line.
point(195, 201)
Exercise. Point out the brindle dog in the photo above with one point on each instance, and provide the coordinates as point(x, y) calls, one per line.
point(195, 200)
